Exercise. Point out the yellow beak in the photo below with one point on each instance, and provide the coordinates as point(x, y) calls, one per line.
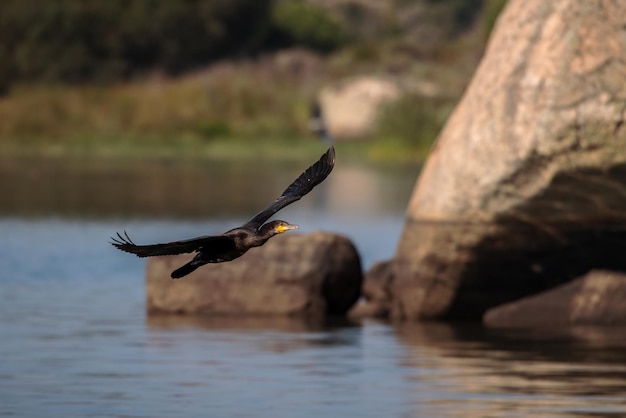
point(285, 228)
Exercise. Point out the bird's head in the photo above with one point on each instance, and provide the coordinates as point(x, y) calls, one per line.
point(278, 227)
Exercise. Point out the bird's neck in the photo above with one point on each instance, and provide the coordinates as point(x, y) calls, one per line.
point(264, 234)
point(257, 241)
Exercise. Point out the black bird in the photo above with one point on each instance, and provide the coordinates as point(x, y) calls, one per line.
point(234, 243)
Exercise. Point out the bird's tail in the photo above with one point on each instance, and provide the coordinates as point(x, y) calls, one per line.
point(185, 270)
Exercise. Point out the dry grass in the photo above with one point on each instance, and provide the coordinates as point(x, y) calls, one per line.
point(245, 101)
point(241, 105)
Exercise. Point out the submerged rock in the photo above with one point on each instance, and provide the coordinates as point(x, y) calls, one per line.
point(296, 275)
point(526, 186)
point(598, 298)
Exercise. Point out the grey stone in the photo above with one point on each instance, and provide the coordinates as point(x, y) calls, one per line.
point(294, 275)
point(376, 298)
point(598, 298)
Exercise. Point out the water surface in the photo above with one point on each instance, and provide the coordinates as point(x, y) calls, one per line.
point(75, 340)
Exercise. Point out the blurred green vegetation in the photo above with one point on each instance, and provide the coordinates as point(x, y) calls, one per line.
point(490, 15)
point(304, 24)
point(145, 75)
point(91, 40)
point(250, 101)
point(410, 123)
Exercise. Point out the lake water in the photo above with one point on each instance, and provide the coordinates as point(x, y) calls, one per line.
point(75, 340)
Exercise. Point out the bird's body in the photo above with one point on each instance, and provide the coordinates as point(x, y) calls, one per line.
point(235, 242)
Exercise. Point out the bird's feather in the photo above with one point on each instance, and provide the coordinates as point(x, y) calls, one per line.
point(206, 243)
point(311, 177)
point(185, 269)
point(233, 243)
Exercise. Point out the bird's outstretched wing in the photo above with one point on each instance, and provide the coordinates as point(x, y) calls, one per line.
point(311, 177)
point(208, 243)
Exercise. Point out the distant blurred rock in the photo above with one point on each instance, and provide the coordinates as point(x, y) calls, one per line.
point(351, 109)
point(599, 298)
point(295, 275)
point(526, 186)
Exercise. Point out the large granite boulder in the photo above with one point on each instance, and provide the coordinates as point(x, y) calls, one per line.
point(295, 275)
point(598, 298)
point(526, 186)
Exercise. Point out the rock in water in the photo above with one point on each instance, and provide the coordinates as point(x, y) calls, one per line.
point(375, 292)
point(598, 298)
point(526, 186)
point(298, 275)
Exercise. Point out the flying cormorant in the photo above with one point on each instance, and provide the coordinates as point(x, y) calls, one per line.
point(234, 243)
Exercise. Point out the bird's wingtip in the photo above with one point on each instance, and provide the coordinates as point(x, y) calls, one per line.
point(122, 242)
point(330, 153)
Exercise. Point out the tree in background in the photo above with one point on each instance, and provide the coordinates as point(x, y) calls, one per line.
point(80, 40)
point(73, 41)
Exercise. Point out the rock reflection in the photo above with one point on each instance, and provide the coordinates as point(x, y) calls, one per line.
point(242, 323)
point(487, 373)
point(288, 333)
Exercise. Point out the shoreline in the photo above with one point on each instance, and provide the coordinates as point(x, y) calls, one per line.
point(222, 150)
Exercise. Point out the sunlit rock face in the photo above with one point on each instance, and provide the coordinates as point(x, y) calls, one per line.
point(313, 274)
point(526, 186)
